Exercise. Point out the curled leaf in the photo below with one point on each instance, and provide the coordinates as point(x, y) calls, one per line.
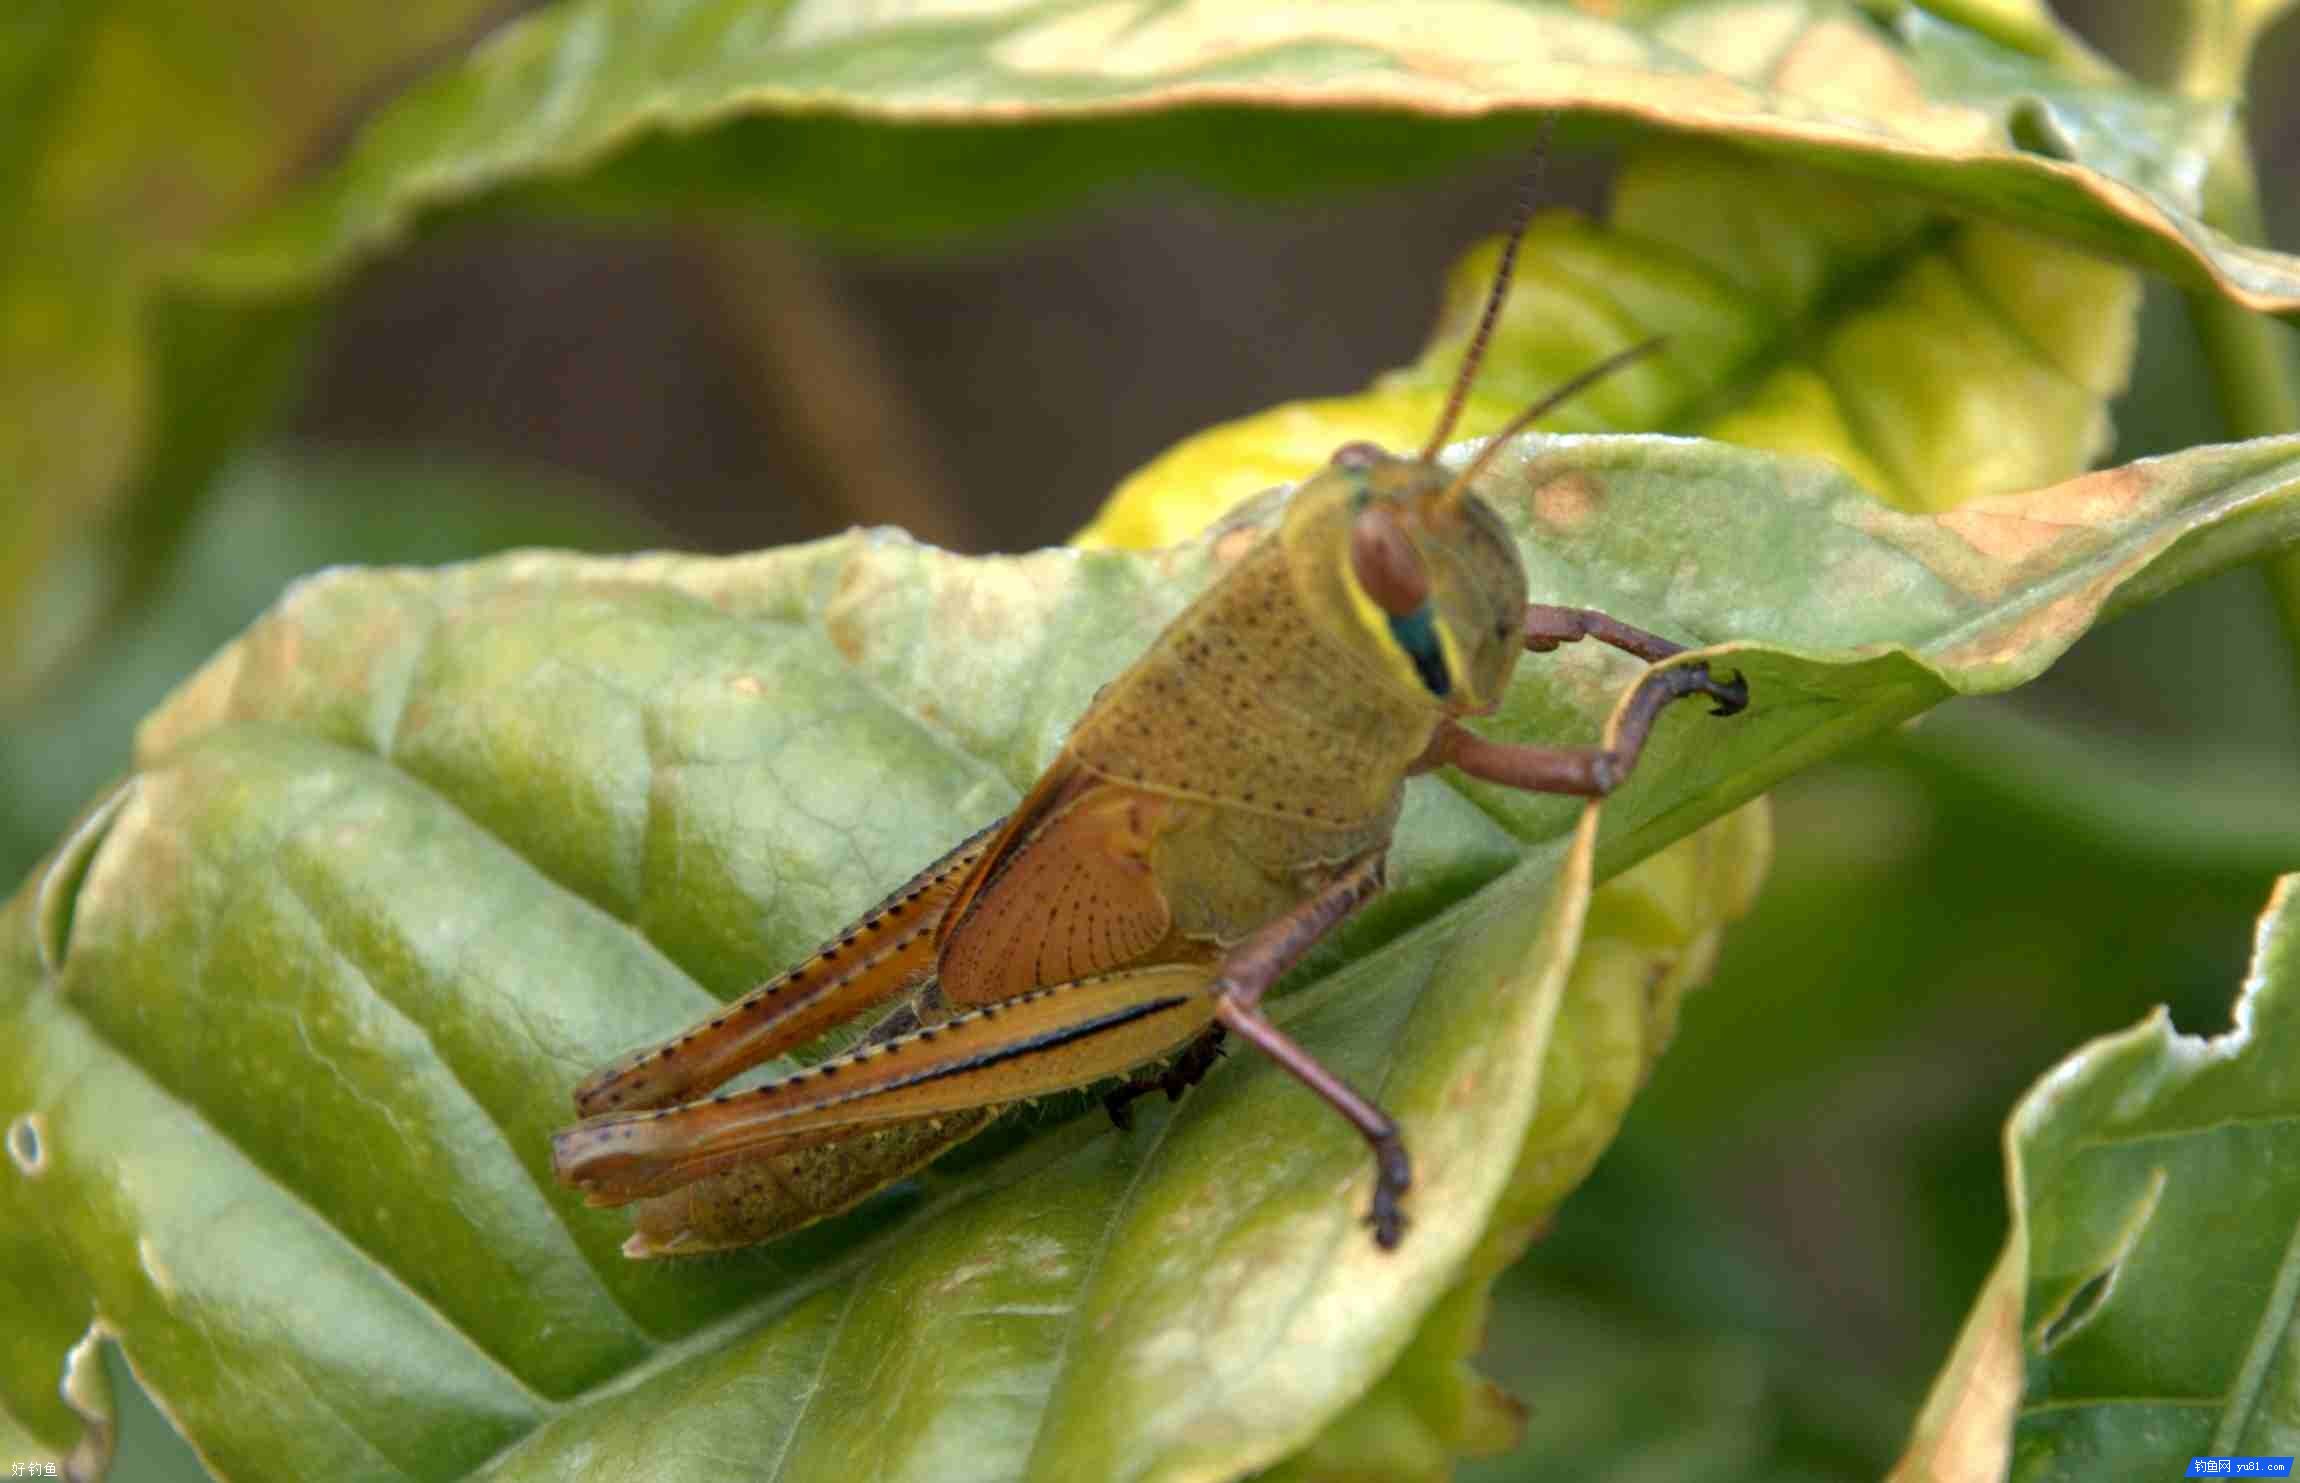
point(2135, 1319)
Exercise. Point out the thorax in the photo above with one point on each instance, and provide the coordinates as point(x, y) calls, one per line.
point(1247, 702)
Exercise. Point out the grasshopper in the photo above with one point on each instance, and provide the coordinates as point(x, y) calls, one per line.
point(1220, 806)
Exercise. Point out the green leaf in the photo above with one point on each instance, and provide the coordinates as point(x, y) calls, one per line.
point(623, 103)
point(140, 131)
point(298, 1005)
point(18, 1447)
point(2142, 1311)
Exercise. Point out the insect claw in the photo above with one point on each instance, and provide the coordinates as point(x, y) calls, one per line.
point(1732, 696)
point(1121, 1114)
point(1393, 1177)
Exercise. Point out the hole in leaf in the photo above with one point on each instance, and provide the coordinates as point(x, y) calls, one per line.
point(2079, 1309)
point(2035, 131)
point(58, 894)
point(26, 1149)
point(2085, 1303)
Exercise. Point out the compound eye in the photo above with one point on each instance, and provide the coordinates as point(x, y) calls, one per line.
point(1358, 456)
point(1387, 565)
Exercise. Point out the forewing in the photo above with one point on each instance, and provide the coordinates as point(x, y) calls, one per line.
point(1074, 897)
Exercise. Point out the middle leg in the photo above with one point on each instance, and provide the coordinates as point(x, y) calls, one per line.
point(1247, 972)
point(1184, 1072)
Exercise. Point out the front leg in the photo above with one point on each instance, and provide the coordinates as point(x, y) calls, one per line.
point(1587, 772)
point(1546, 627)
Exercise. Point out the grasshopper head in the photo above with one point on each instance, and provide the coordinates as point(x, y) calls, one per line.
point(1432, 578)
point(1431, 575)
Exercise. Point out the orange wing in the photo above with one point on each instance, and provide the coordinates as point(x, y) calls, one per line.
point(1069, 894)
point(1057, 787)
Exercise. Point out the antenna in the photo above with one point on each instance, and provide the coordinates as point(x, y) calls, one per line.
point(1530, 198)
point(1543, 406)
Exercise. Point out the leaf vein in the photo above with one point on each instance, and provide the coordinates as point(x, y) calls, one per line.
point(1102, 1243)
point(847, 1307)
point(2275, 1326)
point(495, 1124)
